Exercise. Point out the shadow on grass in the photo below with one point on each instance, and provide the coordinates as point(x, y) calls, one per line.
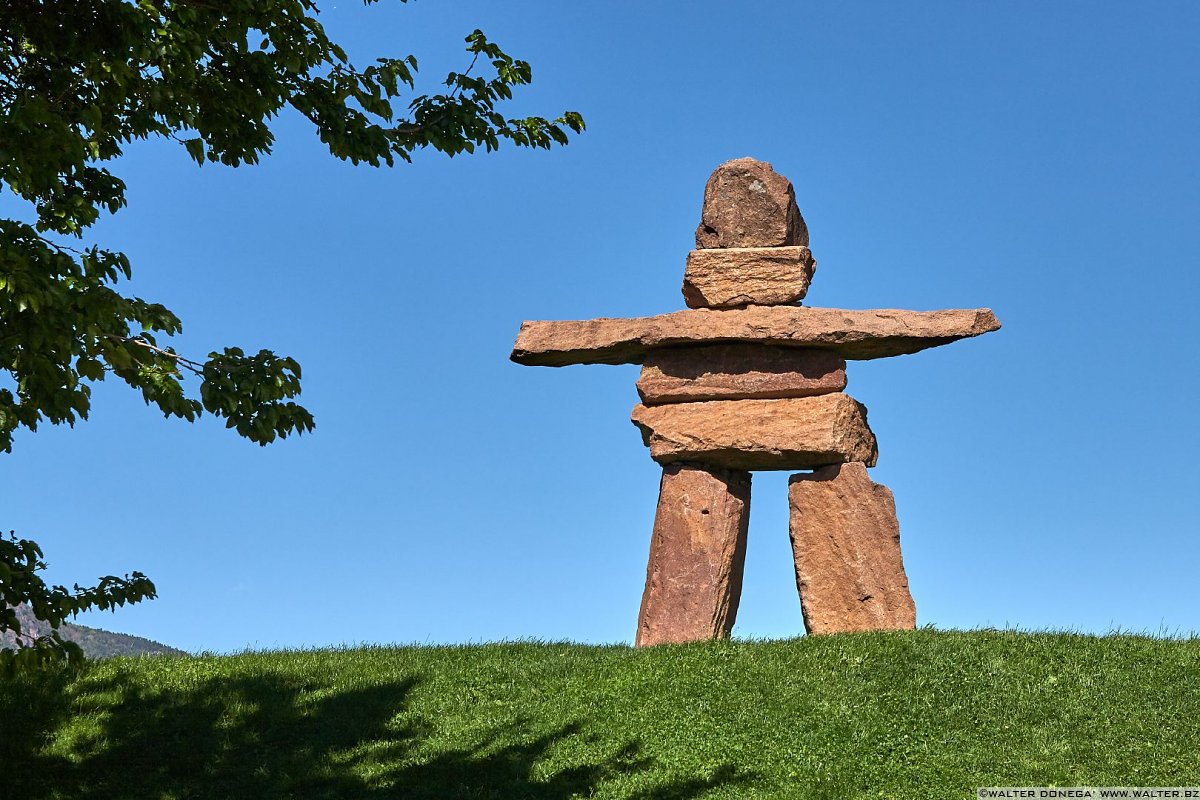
point(271, 736)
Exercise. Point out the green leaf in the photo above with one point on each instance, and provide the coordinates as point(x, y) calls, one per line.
point(195, 148)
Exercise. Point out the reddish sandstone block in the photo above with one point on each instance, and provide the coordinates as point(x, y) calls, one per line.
point(738, 372)
point(793, 433)
point(731, 278)
point(697, 550)
point(749, 204)
point(855, 335)
point(846, 542)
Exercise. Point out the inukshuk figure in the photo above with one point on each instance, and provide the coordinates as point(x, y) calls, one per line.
point(748, 379)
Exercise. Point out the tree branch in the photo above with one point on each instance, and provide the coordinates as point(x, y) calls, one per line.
point(195, 367)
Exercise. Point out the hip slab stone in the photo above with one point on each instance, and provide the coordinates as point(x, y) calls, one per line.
point(793, 433)
point(846, 542)
point(697, 551)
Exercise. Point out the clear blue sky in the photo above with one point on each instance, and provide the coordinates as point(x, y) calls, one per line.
point(1040, 159)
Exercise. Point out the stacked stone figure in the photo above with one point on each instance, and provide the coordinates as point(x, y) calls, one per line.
point(748, 379)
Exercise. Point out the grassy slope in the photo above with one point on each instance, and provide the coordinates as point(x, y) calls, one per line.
point(914, 715)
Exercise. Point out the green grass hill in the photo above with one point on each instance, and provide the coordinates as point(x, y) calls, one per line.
point(920, 714)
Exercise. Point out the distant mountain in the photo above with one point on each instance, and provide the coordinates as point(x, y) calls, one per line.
point(94, 642)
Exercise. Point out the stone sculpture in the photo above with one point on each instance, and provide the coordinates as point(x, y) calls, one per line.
point(748, 379)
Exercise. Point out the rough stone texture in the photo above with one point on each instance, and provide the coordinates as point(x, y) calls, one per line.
point(877, 333)
point(698, 548)
point(764, 276)
point(846, 541)
point(738, 372)
point(748, 204)
point(794, 433)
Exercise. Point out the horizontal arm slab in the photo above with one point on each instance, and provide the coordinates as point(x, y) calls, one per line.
point(855, 335)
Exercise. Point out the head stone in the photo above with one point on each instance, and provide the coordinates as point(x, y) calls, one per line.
point(748, 204)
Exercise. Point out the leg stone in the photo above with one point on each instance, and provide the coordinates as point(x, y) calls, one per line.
point(697, 551)
point(846, 541)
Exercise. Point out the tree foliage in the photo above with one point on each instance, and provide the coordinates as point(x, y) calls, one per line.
point(21, 587)
point(82, 79)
